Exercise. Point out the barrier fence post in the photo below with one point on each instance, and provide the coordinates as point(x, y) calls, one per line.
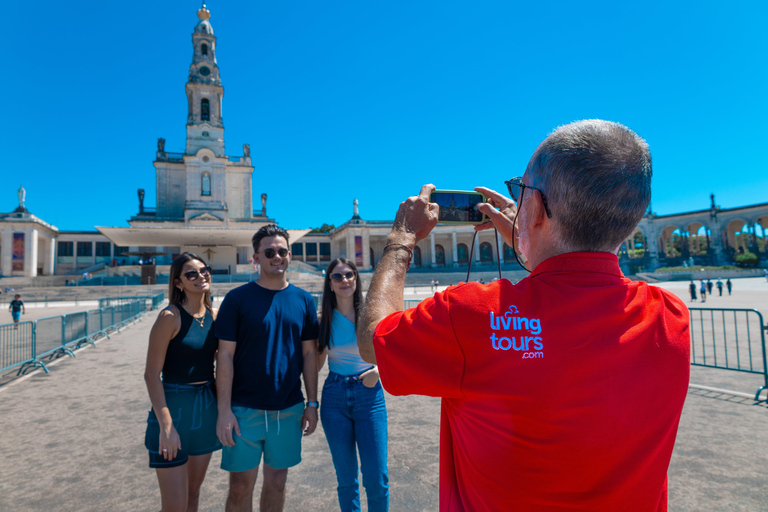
point(765, 361)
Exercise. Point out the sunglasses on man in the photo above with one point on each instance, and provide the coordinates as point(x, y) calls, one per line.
point(270, 253)
point(193, 274)
point(337, 277)
point(517, 188)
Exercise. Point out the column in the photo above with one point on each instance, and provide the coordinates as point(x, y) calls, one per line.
point(93, 253)
point(432, 249)
point(477, 249)
point(753, 239)
point(49, 256)
point(454, 250)
point(716, 241)
point(30, 253)
point(350, 245)
point(50, 263)
point(366, 250)
point(7, 251)
point(500, 245)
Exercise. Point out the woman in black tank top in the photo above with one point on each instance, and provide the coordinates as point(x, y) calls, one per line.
point(181, 427)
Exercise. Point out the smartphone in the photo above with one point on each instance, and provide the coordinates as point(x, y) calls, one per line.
point(458, 206)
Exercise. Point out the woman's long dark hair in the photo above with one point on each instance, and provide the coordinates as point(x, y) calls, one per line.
point(329, 301)
point(175, 296)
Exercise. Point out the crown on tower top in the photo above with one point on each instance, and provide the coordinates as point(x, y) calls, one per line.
point(203, 13)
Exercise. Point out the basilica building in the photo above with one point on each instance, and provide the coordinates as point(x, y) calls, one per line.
point(205, 205)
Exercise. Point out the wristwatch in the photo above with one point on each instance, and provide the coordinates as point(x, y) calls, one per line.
point(313, 404)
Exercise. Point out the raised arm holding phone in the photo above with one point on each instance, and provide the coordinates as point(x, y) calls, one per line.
point(565, 390)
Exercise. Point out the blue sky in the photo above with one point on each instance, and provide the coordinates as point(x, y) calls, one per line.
point(371, 100)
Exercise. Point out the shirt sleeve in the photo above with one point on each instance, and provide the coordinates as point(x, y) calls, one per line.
point(227, 319)
point(311, 328)
point(417, 351)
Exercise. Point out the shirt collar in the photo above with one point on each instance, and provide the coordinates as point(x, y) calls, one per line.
point(598, 262)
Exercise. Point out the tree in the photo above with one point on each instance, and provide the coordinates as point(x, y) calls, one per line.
point(748, 259)
point(325, 228)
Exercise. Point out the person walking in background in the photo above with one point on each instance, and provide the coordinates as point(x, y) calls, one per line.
point(709, 286)
point(719, 285)
point(703, 291)
point(181, 428)
point(728, 285)
point(354, 414)
point(16, 307)
point(692, 289)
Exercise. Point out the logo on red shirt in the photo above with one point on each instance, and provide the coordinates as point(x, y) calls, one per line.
point(531, 346)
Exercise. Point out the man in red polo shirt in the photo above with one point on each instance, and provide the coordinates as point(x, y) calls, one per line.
point(564, 391)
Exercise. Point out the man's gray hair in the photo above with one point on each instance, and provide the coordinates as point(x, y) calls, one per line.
point(596, 176)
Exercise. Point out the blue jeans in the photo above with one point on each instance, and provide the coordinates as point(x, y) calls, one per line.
point(353, 414)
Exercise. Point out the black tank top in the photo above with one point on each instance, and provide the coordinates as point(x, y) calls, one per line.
point(189, 357)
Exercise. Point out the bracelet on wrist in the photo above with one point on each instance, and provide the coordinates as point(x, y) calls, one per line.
point(399, 246)
point(313, 404)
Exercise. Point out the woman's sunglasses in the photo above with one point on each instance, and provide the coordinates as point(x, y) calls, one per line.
point(192, 274)
point(270, 253)
point(337, 277)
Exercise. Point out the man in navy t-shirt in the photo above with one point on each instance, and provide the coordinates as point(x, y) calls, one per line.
point(267, 334)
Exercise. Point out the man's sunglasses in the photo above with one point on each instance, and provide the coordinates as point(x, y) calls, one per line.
point(516, 189)
point(337, 277)
point(192, 274)
point(270, 253)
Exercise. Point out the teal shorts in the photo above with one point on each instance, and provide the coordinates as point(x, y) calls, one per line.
point(276, 434)
point(194, 413)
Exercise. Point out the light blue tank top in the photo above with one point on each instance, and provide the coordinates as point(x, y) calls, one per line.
point(343, 355)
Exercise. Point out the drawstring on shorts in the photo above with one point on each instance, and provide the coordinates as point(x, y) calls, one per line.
point(266, 421)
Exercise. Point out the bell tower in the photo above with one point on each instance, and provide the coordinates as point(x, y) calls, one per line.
point(205, 126)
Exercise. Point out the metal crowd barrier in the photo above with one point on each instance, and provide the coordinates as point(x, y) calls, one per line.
point(730, 339)
point(153, 301)
point(26, 344)
point(16, 344)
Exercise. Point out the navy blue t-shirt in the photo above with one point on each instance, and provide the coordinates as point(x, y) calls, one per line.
point(268, 327)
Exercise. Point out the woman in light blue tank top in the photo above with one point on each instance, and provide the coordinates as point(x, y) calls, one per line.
point(352, 410)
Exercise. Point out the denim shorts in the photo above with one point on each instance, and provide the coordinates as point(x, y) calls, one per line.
point(194, 413)
point(275, 434)
point(16, 315)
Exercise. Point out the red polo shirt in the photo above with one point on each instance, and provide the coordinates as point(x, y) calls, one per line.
point(562, 392)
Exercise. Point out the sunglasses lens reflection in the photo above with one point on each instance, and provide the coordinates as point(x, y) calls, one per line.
point(192, 274)
point(270, 253)
point(349, 276)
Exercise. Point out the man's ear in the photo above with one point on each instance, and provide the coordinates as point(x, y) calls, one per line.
point(538, 213)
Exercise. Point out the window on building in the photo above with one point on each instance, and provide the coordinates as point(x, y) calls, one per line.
point(102, 248)
point(66, 248)
point(120, 250)
point(84, 249)
point(416, 256)
point(509, 255)
point(439, 255)
point(462, 253)
point(206, 184)
point(312, 251)
point(325, 251)
point(486, 252)
point(297, 250)
point(205, 109)
point(204, 49)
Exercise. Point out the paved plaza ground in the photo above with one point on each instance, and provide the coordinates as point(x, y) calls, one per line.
point(72, 440)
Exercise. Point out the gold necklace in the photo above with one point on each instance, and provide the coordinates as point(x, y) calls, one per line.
point(200, 320)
